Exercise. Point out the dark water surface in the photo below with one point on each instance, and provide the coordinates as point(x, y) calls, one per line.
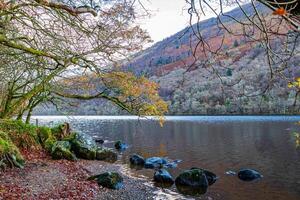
point(219, 144)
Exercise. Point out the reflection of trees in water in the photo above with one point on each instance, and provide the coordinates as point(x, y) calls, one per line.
point(297, 139)
point(296, 135)
point(162, 151)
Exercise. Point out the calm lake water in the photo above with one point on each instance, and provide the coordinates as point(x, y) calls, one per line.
point(219, 144)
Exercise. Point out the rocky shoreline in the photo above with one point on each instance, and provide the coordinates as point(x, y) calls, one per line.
point(73, 166)
point(44, 178)
point(56, 164)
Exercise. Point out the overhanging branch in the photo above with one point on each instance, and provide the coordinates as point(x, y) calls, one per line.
point(99, 95)
point(70, 10)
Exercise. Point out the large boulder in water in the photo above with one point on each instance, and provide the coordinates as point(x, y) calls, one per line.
point(162, 176)
point(62, 150)
point(193, 181)
point(106, 155)
point(84, 146)
point(137, 160)
point(210, 176)
point(111, 180)
point(249, 175)
point(155, 162)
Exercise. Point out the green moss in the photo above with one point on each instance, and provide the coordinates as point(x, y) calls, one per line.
point(46, 138)
point(49, 144)
point(44, 133)
point(58, 131)
point(84, 146)
point(62, 150)
point(70, 137)
point(23, 135)
point(106, 154)
point(111, 180)
point(9, 153)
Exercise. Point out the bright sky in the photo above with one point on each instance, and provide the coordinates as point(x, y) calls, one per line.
point(168, 17)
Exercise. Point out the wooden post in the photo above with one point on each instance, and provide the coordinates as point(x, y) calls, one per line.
point(36, 122)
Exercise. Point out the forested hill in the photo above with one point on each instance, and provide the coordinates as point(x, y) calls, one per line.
point(236, 86)
point(168, 54)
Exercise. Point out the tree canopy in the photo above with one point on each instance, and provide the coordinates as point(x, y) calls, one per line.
point(44, 42)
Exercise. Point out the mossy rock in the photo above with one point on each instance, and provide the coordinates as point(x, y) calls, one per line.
point(211, 177)
point(106, 155)
point(9, 153)
point(85, 153)
point(84, 146)
point(61, 131)
point(112, 180)
point(62, 150)
point(192, 182)
point(46, 138)
point(70, 137)
point(44, 133)
point(49, 144)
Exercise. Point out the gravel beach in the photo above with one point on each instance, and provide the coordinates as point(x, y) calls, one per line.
point(60, 179)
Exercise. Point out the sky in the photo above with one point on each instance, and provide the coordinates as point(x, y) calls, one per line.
point(168, 17)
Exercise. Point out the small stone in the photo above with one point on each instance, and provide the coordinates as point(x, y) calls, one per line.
point(136, 160)
point(249, 175)
point(163, 176)
point(112, 180)
point(120, 145)
point(99, 141)
point(155, 162)
point(231, 173)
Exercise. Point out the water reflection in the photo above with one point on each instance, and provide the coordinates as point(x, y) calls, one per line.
point(297, 138)
point(198, 191)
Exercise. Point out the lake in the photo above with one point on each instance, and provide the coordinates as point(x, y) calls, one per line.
point(216, 143)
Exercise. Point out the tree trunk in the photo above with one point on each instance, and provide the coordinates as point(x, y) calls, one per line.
point(29, 115)
point(38, 88)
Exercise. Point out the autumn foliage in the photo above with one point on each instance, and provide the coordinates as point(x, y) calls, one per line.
point(280, 11)
point(136, 95)
point(139, 93)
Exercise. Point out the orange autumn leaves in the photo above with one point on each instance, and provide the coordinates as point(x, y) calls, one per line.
point(139, 93)
point(280, 11)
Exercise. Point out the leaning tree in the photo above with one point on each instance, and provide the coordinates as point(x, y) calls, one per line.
point(46, 44)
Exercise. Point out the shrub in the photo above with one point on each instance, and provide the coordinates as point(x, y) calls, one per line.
point(23, 135)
